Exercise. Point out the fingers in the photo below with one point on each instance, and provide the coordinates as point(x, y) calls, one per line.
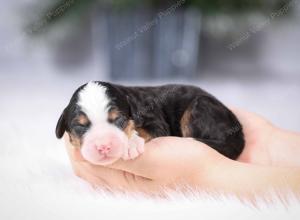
point(249, 118)
point(162, 155)
point(114, 179)
point(109, 178)
point(165, 162)
point(165, 157)
point(242, 114)
point(251, 122)
point(74, 153)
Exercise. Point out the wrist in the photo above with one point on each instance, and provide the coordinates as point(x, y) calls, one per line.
point(284, 148)
point(249, 181)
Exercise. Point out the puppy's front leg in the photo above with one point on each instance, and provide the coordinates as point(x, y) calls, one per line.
point(134, 148)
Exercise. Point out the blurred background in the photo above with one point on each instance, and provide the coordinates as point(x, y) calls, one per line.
point(245, 52)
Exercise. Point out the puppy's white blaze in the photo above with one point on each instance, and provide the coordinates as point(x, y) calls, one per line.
point(94, 102)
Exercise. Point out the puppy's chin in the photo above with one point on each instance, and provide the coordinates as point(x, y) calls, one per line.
point(104, 161)
point(92, 155)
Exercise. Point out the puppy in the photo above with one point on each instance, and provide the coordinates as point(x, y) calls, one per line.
point(108, 121)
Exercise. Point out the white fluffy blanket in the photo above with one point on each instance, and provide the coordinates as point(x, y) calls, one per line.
point(36, 181)
point(39, 184)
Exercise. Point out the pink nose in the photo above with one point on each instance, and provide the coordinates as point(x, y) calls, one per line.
point(103, 149)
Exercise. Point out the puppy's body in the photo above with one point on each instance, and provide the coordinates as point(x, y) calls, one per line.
point(149, 112)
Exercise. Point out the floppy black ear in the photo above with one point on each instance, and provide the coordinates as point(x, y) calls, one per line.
point(61, 125)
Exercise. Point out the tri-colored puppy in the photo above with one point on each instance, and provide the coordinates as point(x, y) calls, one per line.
point(109, 121)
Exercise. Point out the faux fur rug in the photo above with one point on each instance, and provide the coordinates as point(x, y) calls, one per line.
point(36, 181)
point(39, 184)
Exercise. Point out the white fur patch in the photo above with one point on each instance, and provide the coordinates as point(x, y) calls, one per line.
point(94, 102)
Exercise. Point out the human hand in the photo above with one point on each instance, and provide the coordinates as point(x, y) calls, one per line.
point(267, 144)
point(171, 161)
point(166, 162)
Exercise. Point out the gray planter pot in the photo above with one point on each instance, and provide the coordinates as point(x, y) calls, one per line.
point(145, 44)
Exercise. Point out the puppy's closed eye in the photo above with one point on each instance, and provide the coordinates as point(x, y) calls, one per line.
point(80, 129)
point(120, 121)
point(80, 125)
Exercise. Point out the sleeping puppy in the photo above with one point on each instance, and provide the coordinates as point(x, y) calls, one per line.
point(108, 121)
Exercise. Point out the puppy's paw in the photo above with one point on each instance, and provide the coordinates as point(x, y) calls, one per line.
point(135, 147)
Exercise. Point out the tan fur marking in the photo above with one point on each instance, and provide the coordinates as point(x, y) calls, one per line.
point(82, 119)
point(130, 128)
point(113, 114)
point(75, 141)
point(144, 134)
point(184, 123)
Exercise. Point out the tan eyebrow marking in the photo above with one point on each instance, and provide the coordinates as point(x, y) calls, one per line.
point(82, 119)
point(113, 114)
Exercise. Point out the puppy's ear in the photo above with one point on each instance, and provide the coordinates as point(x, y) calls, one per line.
point(61, 125)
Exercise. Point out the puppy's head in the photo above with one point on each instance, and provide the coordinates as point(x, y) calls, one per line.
point(97, 120)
